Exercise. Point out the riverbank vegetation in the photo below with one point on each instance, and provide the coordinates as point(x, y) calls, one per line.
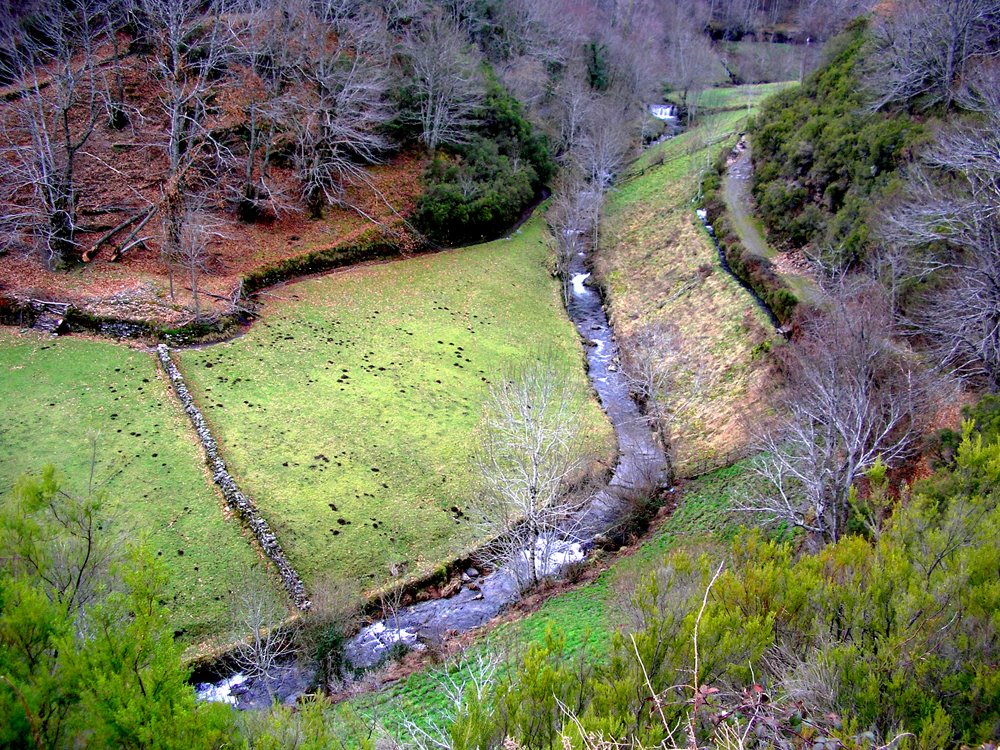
point(661, 270)
point(856, 645)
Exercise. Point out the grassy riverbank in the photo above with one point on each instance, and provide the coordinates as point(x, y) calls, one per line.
point(57, 393)
point(660, 267)
point(585, 616)
point(349, 412)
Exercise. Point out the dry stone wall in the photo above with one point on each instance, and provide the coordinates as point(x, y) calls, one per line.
point(239, 502)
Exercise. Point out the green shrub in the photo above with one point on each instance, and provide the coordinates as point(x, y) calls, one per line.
point(865, 639)
point(477, 191)
point(822, 161)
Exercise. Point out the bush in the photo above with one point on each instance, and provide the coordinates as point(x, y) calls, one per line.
point(477, 191)
point(860, 642)
point(822, 161)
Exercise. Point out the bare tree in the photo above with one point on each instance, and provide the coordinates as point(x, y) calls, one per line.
point(606, 139)
point(196, 232)
point(264, 33)
point(116, 17)
point(948, 227)
point(649, 365)
point(190, 51)
point(822, 19)
point(531, 448)
point(924, 48)
point(573, 216)
point(259, 615)
point(42, 138)
point(851, 396)
point(691, 65)
point(336, 113)
point(444, 78)
point(474, 673)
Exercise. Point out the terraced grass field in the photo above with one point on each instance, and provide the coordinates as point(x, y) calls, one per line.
point(55, 393)
point(660, 266)
point(349, 412)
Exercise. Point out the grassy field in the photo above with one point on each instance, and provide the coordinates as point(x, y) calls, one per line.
point(349, 412)
point(586, 616)
point(734, 97)
point(660, 266)
point(58, 392)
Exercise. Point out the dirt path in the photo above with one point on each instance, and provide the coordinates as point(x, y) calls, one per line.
point(736, 194)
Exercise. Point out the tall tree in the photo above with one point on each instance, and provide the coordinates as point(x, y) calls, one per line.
point(530, 450)
point(923, 49)
point(190, 50)
point(948, 227)
point(54, 64)
point(336, 114)
point(851, 397)
point(444, 80)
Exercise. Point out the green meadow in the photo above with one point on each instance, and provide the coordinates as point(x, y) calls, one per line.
point(57, 394)
point(349, 411)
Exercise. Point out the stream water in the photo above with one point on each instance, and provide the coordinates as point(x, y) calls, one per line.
point(640, 460)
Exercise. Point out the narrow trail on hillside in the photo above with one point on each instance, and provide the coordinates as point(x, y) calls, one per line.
point(739, 205)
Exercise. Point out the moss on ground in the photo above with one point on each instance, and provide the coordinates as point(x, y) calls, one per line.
point(56, 393)
point(349, 411)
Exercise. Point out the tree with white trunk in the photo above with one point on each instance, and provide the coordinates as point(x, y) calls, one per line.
point(531, 450)
point(444, 79)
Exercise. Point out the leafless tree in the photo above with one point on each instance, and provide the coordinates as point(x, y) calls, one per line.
point(444, 78)
point(336, 113)
point(852, 395)
point(264, 34)
point(531, 448)
point(953, 202)
point(573, 215)
point(606, 139)
point(691, 64)
point(471, 673)
point(197, 230)
point(649, 364)
point(190, 52)
point(821, 19)
point(116, 18)
point(259, 616)
point(42, 137)
point(924, 48)
point(574, 101)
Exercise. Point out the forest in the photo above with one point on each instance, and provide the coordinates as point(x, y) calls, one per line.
point(474, 374)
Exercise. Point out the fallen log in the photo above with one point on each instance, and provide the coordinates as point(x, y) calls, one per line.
point(89, 254)
point(128, 242)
